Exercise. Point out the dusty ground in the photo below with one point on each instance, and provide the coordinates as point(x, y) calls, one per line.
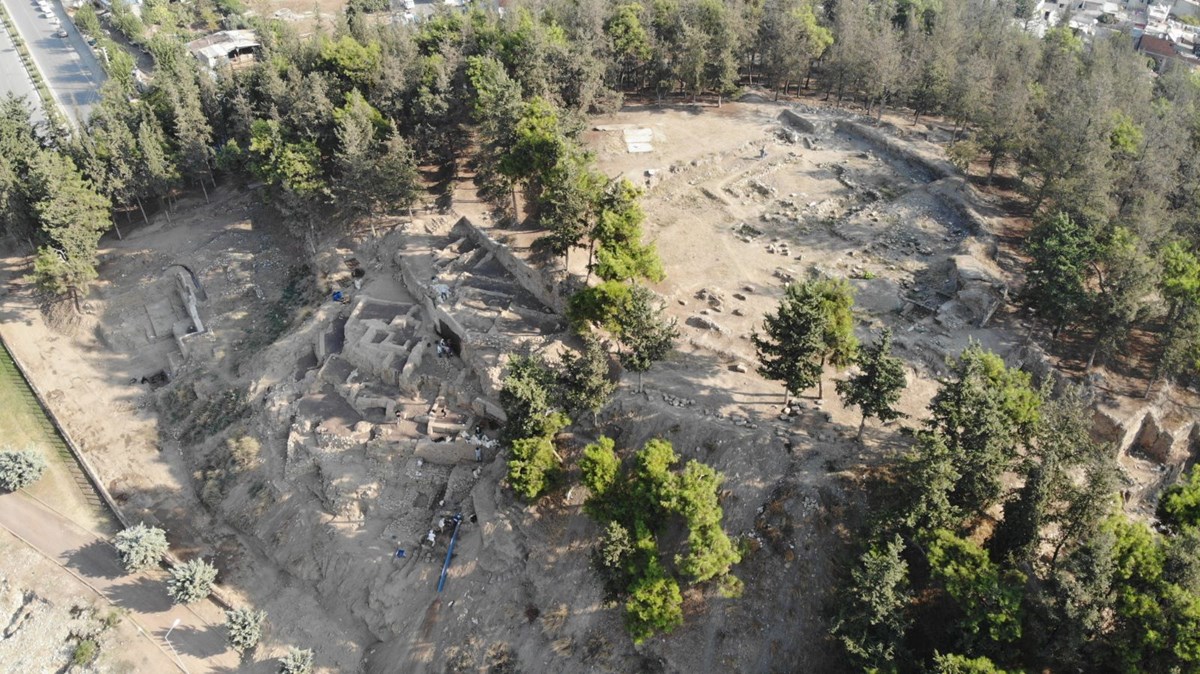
point(94, 376)
point(306, 527)
point(47, 612)
point(25, 426)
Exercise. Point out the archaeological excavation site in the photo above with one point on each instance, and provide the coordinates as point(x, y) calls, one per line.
point(326, 422)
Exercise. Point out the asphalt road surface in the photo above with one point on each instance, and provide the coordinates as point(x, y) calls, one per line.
point(68, 66)
point(198, 642)
point(14, 79)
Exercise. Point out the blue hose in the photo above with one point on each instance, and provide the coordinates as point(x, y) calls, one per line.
point(449, 552)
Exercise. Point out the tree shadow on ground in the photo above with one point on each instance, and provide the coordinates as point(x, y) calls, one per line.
point(97, 559)
point(200, 642)
point(145, 595)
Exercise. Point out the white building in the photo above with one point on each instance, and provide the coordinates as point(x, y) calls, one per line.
point(226, 47)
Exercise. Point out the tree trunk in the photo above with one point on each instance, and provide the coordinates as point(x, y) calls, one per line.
point(1091, 361)
point(142, 209)
point(204, 189)
point(787, 397)
point(1149, 385)
point(639, 381)
point(118, 230)
point(516, 213)
point(591, 260)
point(821, 380)
point(861, 425)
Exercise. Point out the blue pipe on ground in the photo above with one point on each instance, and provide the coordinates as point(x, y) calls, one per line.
point(449, 552)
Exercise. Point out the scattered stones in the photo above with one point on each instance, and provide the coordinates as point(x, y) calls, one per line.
point(675, 401)
point(706, 323)
point(784, 274)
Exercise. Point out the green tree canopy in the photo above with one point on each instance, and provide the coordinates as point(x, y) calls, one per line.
point(984, 411)
point(646, 336)
point(876, 388)
point(813, 325)
point(583, 378)
point(988, 596)
point(72, 216)
point(141, 547)
point(872, 616)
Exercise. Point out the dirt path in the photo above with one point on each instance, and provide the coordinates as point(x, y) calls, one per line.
point(198, 640)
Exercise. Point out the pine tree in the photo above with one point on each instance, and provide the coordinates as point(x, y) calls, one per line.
point(1059, 274)
point(813, 325)
point(984, 412)
point(534, 462)
point(20, 468)
point(527, 395)
point(73, 217)
point(872, 619)
point(396, 179)
point(877, 387)
point(191, 582)
point(355, 158)
point(583, 378)
point(645, 336)
point(297, 661)
point(141, 547)
point(617, 248)
point(156, 173)
point(245, 628)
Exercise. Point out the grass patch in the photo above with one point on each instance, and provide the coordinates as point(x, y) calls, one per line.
point(23, 423)
point(85, 651)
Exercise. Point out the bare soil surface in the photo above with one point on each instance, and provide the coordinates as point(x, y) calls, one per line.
point(360, 428)
point(48, 612)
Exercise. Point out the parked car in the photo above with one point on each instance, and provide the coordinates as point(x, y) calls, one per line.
point(60, 33)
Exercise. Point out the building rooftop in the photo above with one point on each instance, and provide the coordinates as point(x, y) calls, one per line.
point(223, 46)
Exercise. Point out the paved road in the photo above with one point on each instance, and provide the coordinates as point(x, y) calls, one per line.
point(13, 77)
point(199, 640)
point(67, 65)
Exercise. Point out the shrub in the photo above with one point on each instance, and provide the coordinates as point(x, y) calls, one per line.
point(535, 463)
point(962, 153)
point(20, 468)
point(654, 605)
point(245, 628)
point(141, 547)
point(297, 661)
point(1179, 505)
point(85, 651)
point(191, 581)
point(244, 451)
